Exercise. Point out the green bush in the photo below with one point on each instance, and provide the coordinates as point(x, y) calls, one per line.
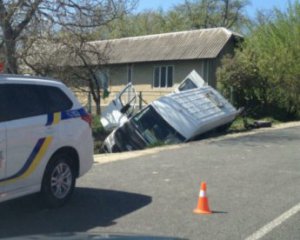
point(264, 75)
point(99, 133)
point(97, 128)
point(240, 81)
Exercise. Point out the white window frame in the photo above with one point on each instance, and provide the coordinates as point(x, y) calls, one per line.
point(159, 80)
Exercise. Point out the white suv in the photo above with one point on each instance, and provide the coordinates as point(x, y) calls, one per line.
point(45, 139)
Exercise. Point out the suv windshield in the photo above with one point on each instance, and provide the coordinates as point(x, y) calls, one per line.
point(154, 128)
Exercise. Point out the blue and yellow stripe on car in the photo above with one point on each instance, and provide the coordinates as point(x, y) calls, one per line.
point(42, 145)
point(32, 162)
point(53, 118)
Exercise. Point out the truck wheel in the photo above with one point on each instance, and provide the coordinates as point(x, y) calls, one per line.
point(58, 181)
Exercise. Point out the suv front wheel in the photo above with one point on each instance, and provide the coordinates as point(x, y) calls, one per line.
point(58, 181)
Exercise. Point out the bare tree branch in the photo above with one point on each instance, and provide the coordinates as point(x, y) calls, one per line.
point(27, 18)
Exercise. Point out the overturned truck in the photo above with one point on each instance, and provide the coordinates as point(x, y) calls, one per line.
point(177, 117)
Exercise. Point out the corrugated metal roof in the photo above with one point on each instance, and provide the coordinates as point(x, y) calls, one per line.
point(187, 45)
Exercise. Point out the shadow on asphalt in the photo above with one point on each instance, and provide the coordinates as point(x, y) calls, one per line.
point(87, 209)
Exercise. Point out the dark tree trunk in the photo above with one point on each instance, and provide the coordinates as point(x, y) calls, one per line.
point(226, 10)
point(96, 97)
point(98, 101)
point(98, 109)
point(11, 65)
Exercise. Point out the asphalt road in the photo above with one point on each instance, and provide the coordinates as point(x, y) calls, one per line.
point(253, 186)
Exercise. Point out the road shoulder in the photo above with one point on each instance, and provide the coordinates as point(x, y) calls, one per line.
point(112, 157)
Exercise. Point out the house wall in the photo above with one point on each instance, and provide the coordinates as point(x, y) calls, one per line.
point(142, 78)
point(142, 74)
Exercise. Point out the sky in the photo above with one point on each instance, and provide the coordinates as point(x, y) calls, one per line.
point(250, 10)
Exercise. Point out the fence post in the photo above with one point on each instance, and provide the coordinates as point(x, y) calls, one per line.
point(89, 102)
point(140, 100)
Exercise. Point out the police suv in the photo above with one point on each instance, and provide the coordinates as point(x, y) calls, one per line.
point(45, 139)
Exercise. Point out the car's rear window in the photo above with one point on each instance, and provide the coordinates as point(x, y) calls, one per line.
point(56, 100)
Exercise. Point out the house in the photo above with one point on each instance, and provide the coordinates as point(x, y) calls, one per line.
point(155, 64)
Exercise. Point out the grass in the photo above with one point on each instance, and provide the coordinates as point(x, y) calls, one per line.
point(157, 144)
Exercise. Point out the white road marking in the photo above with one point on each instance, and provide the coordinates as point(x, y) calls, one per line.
point(276, 222)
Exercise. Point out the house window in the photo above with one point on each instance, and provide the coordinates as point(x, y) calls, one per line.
point(129, 72)
point(103, 78)
point(163, 76)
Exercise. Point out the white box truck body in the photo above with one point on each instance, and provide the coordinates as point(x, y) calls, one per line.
point(174, 118)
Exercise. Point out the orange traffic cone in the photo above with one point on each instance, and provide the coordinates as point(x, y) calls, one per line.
point(202, 206)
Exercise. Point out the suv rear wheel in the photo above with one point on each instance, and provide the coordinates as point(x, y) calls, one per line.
point(58, 181)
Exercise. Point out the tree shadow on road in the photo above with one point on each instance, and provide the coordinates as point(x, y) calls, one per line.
point(87, 209)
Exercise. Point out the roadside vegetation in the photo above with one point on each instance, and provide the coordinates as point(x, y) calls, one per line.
point(187, 15)
point(242, 124)
point(99, 134)
point(263, 76)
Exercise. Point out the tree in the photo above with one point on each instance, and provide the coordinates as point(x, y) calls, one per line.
point(14, 17)
point(52, 38)
point(192, 14)
point(19, 18)
point(214, 13)
point(239, 80)
point(147, 22)
point(83, 66)
point(272, 50)
point(73, 59)
point(276, 44)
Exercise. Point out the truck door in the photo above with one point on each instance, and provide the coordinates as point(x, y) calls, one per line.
point(120, 108)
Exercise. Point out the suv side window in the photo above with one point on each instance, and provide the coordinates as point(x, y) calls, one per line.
point(20, 101)
point(25, 100)
point(2, 103)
